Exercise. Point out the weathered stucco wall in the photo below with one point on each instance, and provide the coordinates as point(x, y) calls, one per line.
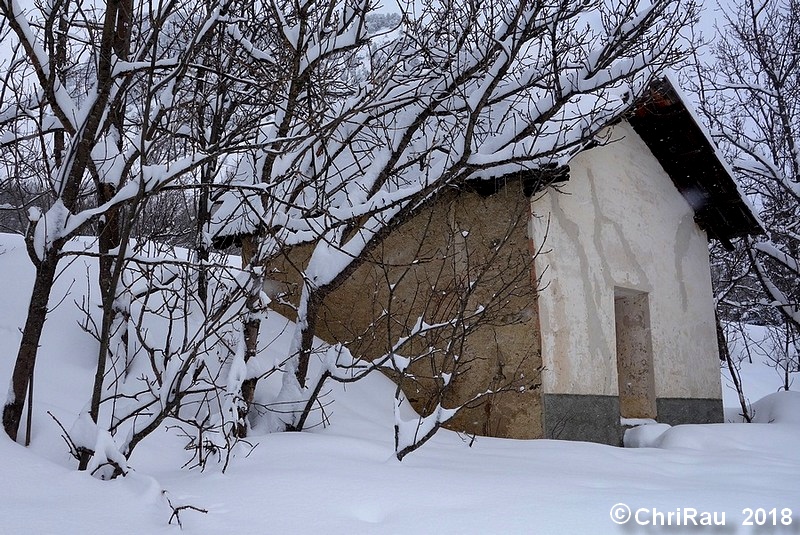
point(424, 268)
point(620, 223)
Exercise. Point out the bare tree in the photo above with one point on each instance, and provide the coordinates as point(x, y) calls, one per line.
point(752, 99)
point(182, 363)
point(94, 111)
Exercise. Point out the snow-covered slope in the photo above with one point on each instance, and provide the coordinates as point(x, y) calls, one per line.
point(344, 478)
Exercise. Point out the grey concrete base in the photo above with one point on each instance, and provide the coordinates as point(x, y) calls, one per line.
point(676, 411)
point(577, 417)
point(596, 418)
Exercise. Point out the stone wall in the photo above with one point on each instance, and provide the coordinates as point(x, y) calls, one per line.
point(465, 252)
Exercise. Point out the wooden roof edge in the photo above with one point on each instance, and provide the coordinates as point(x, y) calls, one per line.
point(662, 107)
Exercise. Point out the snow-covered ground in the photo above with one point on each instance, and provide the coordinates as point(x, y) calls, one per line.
point(345, 479)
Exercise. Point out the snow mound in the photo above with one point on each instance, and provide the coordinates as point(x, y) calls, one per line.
point(776, 419)
point(755, 438)
point(752, 437)
point(644, 436)
point(779, 407)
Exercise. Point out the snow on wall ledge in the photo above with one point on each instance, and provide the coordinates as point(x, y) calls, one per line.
point(619, 223)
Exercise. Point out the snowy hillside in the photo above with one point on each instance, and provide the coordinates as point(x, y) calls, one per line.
point(345, 478)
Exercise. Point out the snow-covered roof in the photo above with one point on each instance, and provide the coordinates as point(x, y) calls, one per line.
point(688, 155)
point(233, 215)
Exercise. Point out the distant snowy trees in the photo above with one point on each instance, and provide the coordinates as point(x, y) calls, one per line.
point(752, 98)
point(284, 125)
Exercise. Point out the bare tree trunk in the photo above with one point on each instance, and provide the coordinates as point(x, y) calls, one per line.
point(252, 326)
point(315, 300)
point(787, 352)
point(28, 348)
point(202, 247)
point(109, 313)
point(109, 235)
point(109, 228)
point(737, 381)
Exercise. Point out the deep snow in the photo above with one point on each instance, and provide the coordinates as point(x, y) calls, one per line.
point(344, 479)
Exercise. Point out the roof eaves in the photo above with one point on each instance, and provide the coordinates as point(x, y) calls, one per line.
point(685, 150)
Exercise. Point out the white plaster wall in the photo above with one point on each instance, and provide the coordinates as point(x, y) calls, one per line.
point(620, 221)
